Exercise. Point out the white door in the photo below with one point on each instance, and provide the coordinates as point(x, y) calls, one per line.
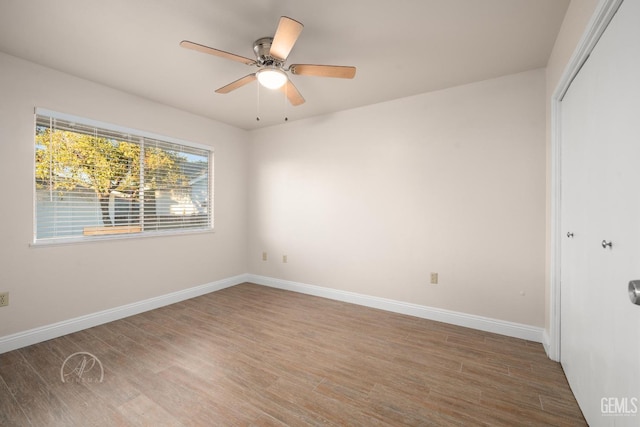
point(600, 187)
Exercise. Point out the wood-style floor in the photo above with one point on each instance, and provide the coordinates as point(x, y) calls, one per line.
point(256, 356)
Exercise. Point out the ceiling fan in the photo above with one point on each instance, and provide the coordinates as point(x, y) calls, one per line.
point(271, 54)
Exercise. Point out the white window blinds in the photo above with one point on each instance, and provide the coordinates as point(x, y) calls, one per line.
point(94, 181)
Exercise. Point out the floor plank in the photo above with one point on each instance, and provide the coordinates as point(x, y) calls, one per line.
point(256, 356)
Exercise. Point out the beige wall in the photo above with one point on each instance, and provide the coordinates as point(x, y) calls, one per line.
point(574, 25)
point(51, 284)
point(372, 200)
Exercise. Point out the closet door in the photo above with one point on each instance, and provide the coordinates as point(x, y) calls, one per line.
point(600, 187)
point(575, 269)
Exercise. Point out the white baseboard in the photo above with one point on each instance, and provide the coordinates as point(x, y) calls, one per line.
point(486, 324)
point(44, 333)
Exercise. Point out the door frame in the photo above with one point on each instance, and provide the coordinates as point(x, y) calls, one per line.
point(598, 23)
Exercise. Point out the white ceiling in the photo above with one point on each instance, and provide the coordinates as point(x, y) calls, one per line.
point(400, 47)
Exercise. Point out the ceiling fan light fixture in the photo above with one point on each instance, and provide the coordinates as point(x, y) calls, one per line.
point(271, 77)
point(271, 55)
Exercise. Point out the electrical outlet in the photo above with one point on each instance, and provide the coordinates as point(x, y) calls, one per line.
point(434, 278)
point(284, 259)
point(264, 256)
point(4, 299)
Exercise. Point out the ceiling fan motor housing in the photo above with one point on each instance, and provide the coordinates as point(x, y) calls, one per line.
point(262, 49)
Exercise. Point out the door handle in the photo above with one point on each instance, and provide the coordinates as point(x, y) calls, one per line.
point(606, 244)
point(634, 292)
point(569, 234)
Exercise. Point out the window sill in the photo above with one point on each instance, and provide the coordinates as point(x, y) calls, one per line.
point(122, 235)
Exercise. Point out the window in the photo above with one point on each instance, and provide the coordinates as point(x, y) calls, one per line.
point(96, 181)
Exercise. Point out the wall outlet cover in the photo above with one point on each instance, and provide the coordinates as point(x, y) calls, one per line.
point(434, 278)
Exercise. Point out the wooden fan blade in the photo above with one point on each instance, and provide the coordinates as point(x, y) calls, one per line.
point(338, 71)
point(217, 52)
point(293, 95)
point(285, 37)
point(237, 84)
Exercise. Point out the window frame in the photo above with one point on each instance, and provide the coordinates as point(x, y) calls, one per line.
point(137, 133)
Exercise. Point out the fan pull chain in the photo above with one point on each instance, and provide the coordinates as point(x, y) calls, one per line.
point(286, 87)
point(257, 102)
